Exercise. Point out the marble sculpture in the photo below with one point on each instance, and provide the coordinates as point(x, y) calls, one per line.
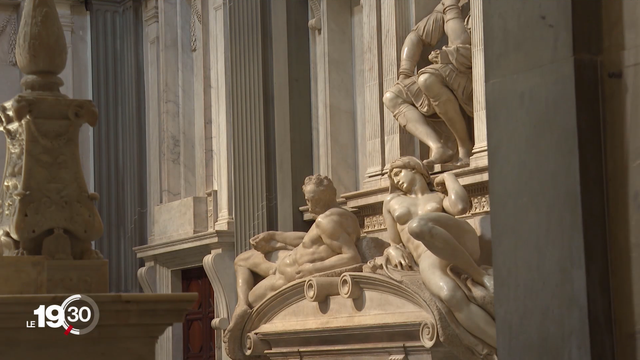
point(282, 257)
point(432, 257)
point(426, 236)
point(440, 92)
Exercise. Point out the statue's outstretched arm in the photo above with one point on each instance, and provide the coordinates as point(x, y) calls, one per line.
point(290, 238)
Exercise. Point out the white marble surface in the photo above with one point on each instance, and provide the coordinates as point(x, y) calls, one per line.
point(180, 219)
point(334, 133)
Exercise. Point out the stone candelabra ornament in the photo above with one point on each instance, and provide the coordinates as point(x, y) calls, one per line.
point(46, 208)
point(436, 104)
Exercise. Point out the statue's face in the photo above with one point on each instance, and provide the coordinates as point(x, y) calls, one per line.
point(405, 179)
point(315, 198)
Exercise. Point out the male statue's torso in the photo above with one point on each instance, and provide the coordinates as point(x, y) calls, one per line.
point(313, 248)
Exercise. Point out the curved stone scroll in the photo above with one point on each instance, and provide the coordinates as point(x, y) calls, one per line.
point(445, 327)
point(147, 279)
point(217, 263)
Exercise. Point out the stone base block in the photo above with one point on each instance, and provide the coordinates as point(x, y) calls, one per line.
point(180, 219)
point(27, 275)
point(128, 328)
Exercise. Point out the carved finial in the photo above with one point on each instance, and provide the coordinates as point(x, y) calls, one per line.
point(316, 22)
point(41, 51)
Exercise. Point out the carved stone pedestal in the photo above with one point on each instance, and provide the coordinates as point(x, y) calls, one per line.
point(128, 328)
point(28, 275)
point(356, 316)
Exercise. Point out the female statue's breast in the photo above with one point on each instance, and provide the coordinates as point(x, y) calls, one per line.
point(403, 215)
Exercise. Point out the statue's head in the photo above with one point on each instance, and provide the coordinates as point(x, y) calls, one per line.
point(319, 193)
point(406, 173)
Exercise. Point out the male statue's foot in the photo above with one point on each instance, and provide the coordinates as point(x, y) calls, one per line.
point(240, 315)
point(439, 155)
point(461, 162)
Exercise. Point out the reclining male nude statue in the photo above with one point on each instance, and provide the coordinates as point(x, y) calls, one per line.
point(282, 257)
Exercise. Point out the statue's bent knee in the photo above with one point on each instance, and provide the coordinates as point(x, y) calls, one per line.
point(391, 101)
point(429, 84)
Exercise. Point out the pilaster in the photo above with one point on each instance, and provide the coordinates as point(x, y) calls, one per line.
point(246, 113)
point(479, 156)
point(334, 130)
point(396, 24)
point(373, 87)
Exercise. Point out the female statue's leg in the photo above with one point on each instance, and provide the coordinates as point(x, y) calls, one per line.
point(472, 317)
point(448, 108)
point(428, 230)
point(416, 124)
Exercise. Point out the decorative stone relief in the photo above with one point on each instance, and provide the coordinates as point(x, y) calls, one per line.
point(46, 206)
point(315, 24)
point(436, 104)
point(479, 204)
point(373, 223)
point(196, 16)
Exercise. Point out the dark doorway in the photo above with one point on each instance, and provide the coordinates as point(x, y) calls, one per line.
point(198, 337)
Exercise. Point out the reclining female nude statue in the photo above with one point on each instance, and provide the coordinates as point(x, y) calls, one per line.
point(282, 257)
point(441, 91)
point(422, 221)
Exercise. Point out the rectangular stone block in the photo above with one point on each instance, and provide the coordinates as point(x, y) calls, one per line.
point(28, 275)
point(77, 276)
point(22, 275)
point(180, 219)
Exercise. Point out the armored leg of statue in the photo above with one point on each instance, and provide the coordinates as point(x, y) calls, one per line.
point(448, 108)
point(430, 230)
point(416, 124)
point(472, 317)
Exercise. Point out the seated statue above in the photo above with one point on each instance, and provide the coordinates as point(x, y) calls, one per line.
point(440, 92)
point(283, 257)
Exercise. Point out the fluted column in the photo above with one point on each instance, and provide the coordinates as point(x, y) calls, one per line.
point(373, 87)
point(120, 154)
point(479, 99)
point(396, 24)
point(246, 111)
point(220, 113)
